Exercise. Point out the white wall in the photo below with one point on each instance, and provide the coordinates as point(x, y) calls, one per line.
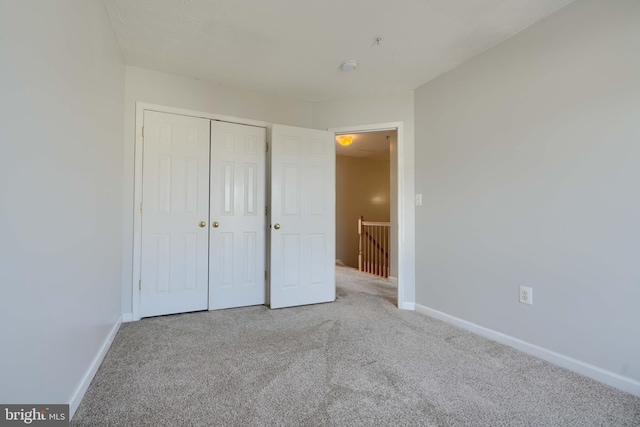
point(198, 95)
point(61, 126)
point(529, 164)
point(367, 110)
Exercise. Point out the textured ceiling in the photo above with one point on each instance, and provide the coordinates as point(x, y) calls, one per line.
point(295, 47)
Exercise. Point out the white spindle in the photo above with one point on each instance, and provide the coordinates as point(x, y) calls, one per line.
point(373, 247)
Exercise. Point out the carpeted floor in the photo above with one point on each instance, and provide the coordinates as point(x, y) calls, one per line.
point(357, 361)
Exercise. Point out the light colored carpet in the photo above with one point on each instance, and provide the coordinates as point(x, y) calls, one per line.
point(357, 361)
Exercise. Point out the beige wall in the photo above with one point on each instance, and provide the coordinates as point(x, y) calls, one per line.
point(529, 161)
point(362, 189)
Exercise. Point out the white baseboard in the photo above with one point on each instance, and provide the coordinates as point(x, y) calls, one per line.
point(607, 377)
point(127, 317)
point(82, 388)
point(408, 306)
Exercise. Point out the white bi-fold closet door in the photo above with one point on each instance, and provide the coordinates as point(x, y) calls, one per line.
point(175, 205)
point(204, 216)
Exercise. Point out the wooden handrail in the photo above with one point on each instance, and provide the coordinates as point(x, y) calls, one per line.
point(376, 223)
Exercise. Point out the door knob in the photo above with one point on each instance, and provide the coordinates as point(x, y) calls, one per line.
point(277, 226)
point(202, 224)
point(216, 224)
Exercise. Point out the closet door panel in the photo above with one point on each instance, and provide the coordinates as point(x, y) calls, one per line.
point(175, 206)
point(238, 217)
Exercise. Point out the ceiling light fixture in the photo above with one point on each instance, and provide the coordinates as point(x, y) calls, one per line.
point(349, 65)
point(344, 140)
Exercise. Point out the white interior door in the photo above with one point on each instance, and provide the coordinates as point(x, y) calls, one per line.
point(238, 216)
point(302, 234)
point(175, 205)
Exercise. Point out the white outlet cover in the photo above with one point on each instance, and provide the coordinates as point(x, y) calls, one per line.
point(418, 199)
point(526, 295)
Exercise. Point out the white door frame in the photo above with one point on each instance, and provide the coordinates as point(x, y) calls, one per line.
point(406, 218)
point(137, 179)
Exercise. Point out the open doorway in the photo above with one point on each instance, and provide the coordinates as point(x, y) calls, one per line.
point(402, 212)
point(366, 190)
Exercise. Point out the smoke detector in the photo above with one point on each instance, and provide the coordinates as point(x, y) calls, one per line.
point(349, 65)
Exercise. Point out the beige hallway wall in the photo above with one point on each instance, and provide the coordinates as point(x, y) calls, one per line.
point(362, 188)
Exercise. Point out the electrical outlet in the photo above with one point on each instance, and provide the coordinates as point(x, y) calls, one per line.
point(526, 295)
point(418, 199)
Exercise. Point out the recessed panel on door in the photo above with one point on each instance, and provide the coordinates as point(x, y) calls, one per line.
point(237, 243)
point(175, 196)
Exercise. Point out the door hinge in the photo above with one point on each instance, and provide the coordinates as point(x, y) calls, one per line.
point(265, 210)
point(140, 207)
point(143, 131)
point(140, 284)
point(267, 147)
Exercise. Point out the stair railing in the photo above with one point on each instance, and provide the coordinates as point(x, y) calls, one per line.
point(374, 247)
